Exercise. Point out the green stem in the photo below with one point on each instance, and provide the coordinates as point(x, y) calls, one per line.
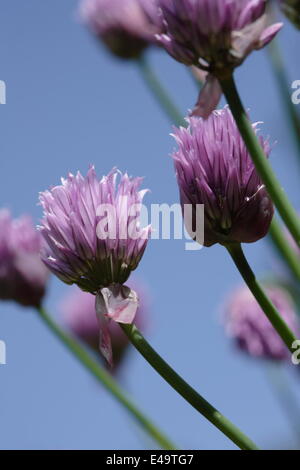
point(105, 379)
point(159, 92)
point(283, 86)
point(285, 249)
point(284, 394)
point(260, 160)
point(237, 254)
point(185, 390)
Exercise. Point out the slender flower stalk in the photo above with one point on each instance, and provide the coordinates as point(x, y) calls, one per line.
point(284, 249)
point(186, 391)
point(291, 8)
point(263, 167)
point(159, 92)
point(105, 379)
point(239, 259)
point(280, 75)
point(78, 316)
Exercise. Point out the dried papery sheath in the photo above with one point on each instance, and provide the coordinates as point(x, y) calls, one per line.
point(214, 168)
point(78, 309)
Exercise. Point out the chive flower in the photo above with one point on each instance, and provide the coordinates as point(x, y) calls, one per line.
point(93, 239)
point(214, 168)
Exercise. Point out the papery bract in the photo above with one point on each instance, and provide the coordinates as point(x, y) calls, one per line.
point(291, 8)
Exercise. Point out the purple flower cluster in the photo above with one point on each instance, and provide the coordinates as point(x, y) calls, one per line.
point(214, 34)
point(249, 327)
point(93, 239)
point(23, 276)
point(214, 168)
point(122, 25)
point(75, 250)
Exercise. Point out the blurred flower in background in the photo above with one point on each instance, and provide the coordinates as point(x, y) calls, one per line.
point(292, 241)
point(214, 35)
point(23, 276)
point(252, 332)
point(214, 168)
point(79, 316)
point(291, 8)
point(122, 25)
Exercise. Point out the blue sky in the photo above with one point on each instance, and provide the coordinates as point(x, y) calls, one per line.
point(70, 104)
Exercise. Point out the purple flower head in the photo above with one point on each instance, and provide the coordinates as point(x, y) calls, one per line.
point(122, 25)
point(214, 35)
point(23, 276)
point(291, 8)
point(214, 168)
point(79, 315)
point(93, 238)
point(247, 324)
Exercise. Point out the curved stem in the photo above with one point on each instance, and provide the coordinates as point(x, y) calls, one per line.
point(284, 395)
point(284, 249)
point(185, 390)
point(260, 160)
point(237, 254)
point(105, 379)
point(159, 92)
point(279, 240)
point(282, 82)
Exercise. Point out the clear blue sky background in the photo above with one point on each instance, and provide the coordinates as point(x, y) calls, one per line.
point(70, 104)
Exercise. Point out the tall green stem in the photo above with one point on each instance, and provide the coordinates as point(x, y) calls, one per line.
point(105, 379)
point(237, 254)
point(285, 395)
point(159, 92)
point(284, 249)
point(185, 390)
point(283, 86)
point(260, 161)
